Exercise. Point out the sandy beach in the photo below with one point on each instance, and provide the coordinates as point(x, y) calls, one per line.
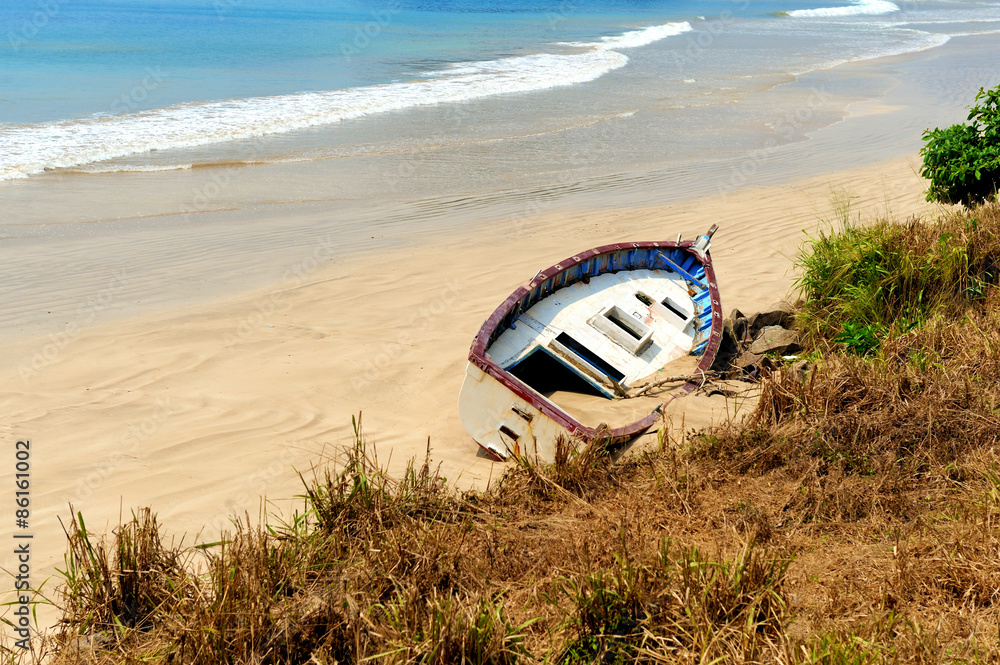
point(197, 363)
point(199, 412)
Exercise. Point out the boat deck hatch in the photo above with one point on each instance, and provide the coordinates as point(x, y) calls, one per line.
point(624, 329)
point(676, 309)
point(668, 308)
point(590, 357)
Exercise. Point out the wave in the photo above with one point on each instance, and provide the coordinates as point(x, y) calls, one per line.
point(931, 41)
point(861, 7)
point(26, 150)
point(646, 35)
point(948, 21)
point(130, 168)
point(977, 33)
point(636, 38)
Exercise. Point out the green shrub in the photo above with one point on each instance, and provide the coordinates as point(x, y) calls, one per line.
point(963, 161)
point(862, 284)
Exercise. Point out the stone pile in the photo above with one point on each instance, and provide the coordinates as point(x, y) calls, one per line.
point(749, 342)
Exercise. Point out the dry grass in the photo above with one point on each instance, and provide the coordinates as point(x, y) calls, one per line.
point(852, 520)
point(676, 563)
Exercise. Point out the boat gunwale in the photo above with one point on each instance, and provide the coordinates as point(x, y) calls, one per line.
point(478, 356)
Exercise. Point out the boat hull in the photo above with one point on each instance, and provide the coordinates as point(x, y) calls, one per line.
point(507, 417)
point(503, 422)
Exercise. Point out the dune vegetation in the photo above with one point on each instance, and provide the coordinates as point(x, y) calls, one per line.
point(851, 517)
point(962, 162)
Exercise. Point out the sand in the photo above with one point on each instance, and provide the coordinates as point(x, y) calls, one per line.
point(200, 411)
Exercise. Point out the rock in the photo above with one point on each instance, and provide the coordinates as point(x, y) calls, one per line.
point(86, 645)
point(748, 360)
point(775, 339)
point(736, 324)
point(779, 314)
point(753, 365)
point(731, 345)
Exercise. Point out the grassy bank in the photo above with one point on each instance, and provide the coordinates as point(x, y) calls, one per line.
point(851, 518)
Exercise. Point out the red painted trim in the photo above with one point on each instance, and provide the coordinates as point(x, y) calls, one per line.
point(477, 354)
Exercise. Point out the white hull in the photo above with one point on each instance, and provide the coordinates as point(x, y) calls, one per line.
point(503, 423)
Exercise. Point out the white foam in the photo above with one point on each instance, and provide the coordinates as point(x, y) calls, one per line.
point(31, 149)
point(635, 38)
point(646, 36)
point(861, 7)
point(948, 21)
point(132, 168)
point(978, 33)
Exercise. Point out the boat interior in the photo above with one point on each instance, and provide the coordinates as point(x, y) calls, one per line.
point(600, 336)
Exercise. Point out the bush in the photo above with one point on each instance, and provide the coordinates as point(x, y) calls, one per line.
point(963, 161)
point(865, 282)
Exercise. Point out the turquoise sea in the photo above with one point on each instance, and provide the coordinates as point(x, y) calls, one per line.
point(96, 86)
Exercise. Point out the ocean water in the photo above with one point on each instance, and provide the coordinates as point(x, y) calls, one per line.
point(91, 86)
point(183, 150)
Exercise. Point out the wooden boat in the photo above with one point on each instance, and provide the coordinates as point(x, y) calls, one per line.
point(602, 322)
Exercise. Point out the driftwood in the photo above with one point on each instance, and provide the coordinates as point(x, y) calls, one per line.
point(701, 376)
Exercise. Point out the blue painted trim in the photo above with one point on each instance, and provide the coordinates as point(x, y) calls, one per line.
point(683, 272)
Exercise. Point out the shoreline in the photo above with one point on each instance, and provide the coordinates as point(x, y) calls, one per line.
point(161, 259)
point(200, 411)
point(199, 340)
point(197, 366)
